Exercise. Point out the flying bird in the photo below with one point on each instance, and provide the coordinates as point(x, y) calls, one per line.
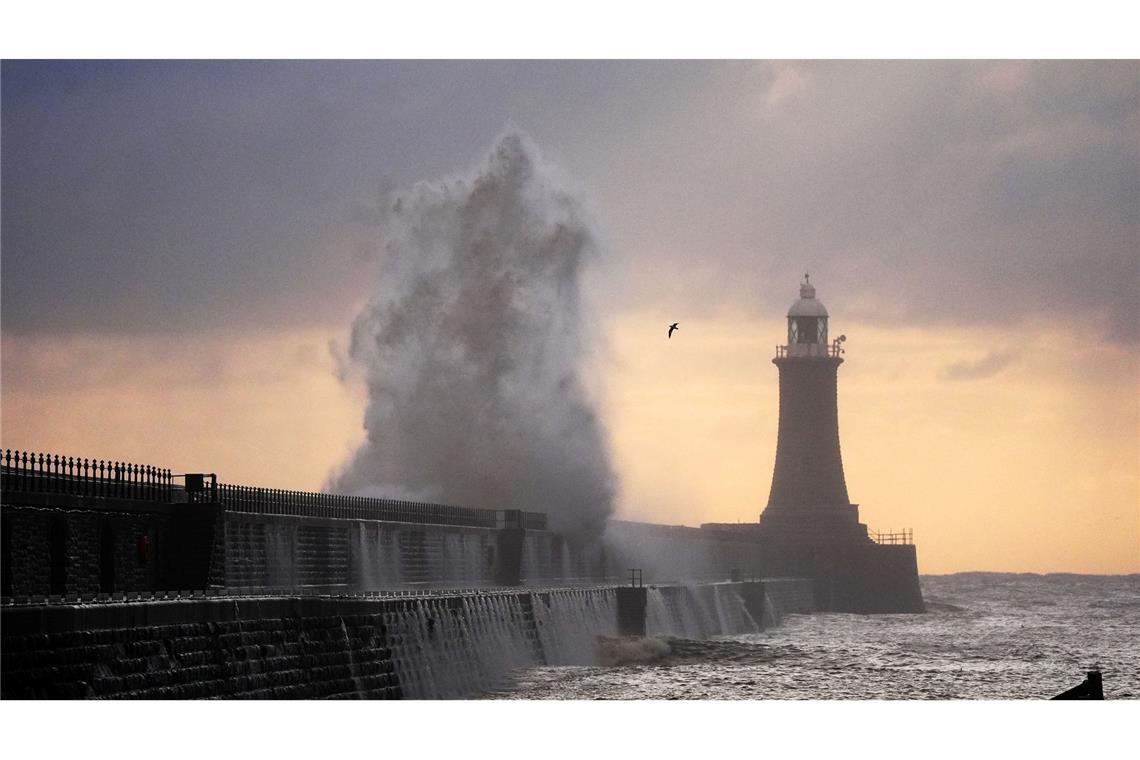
point(672, 327)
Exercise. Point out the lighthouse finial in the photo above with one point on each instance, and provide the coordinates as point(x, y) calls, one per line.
point(807, 290)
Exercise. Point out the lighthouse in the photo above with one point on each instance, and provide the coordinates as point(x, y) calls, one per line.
point(810, 528)
point(808, 501)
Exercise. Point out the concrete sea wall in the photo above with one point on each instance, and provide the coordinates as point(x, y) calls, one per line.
point(58, 544)
point(437, 646)
point(74, 529)
point(68, 546)
point(675, 552)
point(285, 553)
point(76, 548)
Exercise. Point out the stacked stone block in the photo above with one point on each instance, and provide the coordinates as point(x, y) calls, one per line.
point(792, 595)
point(290, 658)
point(60, 551)
point(325, 647)
point(270, 647)
point(83, 553)
point(294, 656)
point(29, 551)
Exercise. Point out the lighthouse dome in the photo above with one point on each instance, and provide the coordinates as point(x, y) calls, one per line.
point(808, 305)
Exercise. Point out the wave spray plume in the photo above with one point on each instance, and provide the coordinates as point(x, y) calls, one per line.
point(472, 345)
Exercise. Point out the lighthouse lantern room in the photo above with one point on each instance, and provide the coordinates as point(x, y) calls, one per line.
point(807, 327)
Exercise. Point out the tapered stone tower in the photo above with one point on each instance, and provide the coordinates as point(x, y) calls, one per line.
point(809, 500)
point(810, 527)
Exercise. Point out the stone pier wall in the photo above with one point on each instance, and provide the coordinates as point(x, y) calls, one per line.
point(671, 553)
point(792, 595)
point(272, 647)
point(61, 545)
point(318, 647)
point(72, 546)
point(283, 553)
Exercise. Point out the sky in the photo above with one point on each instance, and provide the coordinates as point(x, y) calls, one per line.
point(186, 246)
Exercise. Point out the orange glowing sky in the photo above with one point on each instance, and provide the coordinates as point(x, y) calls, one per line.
point(185, 246)
point(1033, 469)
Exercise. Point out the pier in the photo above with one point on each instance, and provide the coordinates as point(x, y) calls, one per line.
point(120, 582)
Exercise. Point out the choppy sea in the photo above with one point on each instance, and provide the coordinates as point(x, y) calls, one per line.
point(985, 636)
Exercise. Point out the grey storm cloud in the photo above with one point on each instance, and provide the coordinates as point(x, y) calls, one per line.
point(188, 195)
point(989, 365)
point(917, 193)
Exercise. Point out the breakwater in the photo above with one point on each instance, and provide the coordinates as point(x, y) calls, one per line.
point(305, 595)
point(76, 527)
point(73, 528)
point(430, 646)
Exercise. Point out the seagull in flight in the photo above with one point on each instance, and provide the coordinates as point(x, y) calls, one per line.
point(672, 327)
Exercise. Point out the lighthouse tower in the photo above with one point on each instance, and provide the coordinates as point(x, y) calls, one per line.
point(808, 502)
point(810, 528)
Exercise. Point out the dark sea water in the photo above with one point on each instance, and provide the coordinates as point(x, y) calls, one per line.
point(986, 636)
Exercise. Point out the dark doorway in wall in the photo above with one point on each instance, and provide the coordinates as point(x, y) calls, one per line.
point(6, 555)
point(106, 556)
point(57, 554)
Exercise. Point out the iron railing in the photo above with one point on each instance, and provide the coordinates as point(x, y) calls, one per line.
point(905, 537)
point(808, 349)
point(52, 473)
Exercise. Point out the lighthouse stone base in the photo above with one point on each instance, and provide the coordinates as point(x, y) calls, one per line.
point(850, 575)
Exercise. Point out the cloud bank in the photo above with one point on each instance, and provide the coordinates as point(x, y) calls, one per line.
point(165, 197)
point(989, 365)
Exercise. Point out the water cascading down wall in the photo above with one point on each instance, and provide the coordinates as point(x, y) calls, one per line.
point(362, 646)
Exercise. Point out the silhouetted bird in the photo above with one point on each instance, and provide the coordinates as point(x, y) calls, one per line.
point(672, 327)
